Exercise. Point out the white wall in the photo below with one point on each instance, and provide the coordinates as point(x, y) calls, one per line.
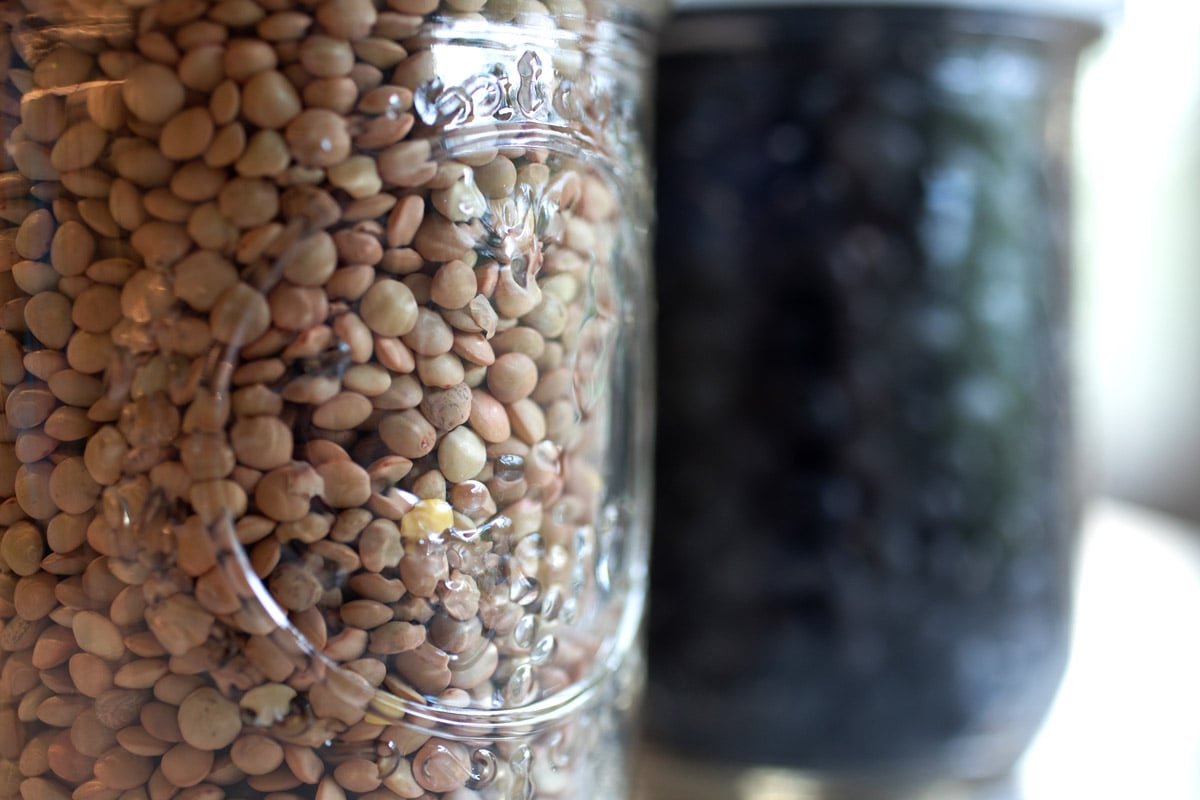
point(1138, 243)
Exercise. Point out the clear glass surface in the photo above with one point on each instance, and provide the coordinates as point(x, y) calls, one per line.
point(325, 422)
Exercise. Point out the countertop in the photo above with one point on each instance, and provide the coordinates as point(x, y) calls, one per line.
point(1126, 722)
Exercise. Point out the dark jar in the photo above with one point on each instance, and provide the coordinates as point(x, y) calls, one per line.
point(866, 506)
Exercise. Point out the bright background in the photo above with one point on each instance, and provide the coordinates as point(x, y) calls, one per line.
point(1138, 245)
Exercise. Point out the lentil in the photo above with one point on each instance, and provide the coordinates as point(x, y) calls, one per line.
point(184, 765)
point(261, 442)
point(441, 765)
point(256, 755)
point(120, 769)
point(96, 634)
point(512, 377)
point(231, 240)
point(208, 721)
point(266, 154)
point(389, 308)
point(461, 455)
point(188, 134)
point(269, 100)
point(152, 92)
point(441, 371)
point(240, 314)
point(342, 412)
point(346, 484)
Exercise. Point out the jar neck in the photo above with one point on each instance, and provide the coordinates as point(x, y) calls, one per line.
point(765, 26)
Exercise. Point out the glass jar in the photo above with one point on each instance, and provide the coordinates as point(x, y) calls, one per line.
point(866, 508)
point(324, 447)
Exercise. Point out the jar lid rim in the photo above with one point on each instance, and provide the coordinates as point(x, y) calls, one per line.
point(1095, 10)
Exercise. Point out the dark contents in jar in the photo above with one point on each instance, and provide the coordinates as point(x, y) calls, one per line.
point(864, 507)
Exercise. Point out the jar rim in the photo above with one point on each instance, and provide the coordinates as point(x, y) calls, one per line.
point(1101, 11)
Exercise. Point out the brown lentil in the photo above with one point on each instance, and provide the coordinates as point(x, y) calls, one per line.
point(269, 100)
point(240, 314)
point(208, 721)
point(120, 769)
point(184, 765)
point(137, 741)
point(226, 240)
point(152, 92)
point(187, 135)
point(261, 442)
point(342, 412)
point(256, 755)
point(346, 484)
point(97, 635)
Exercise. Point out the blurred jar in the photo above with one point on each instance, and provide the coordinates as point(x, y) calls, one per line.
point(866, 509)
point(324, 435)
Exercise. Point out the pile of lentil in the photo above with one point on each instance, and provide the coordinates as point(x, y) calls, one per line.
point(293, 438)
